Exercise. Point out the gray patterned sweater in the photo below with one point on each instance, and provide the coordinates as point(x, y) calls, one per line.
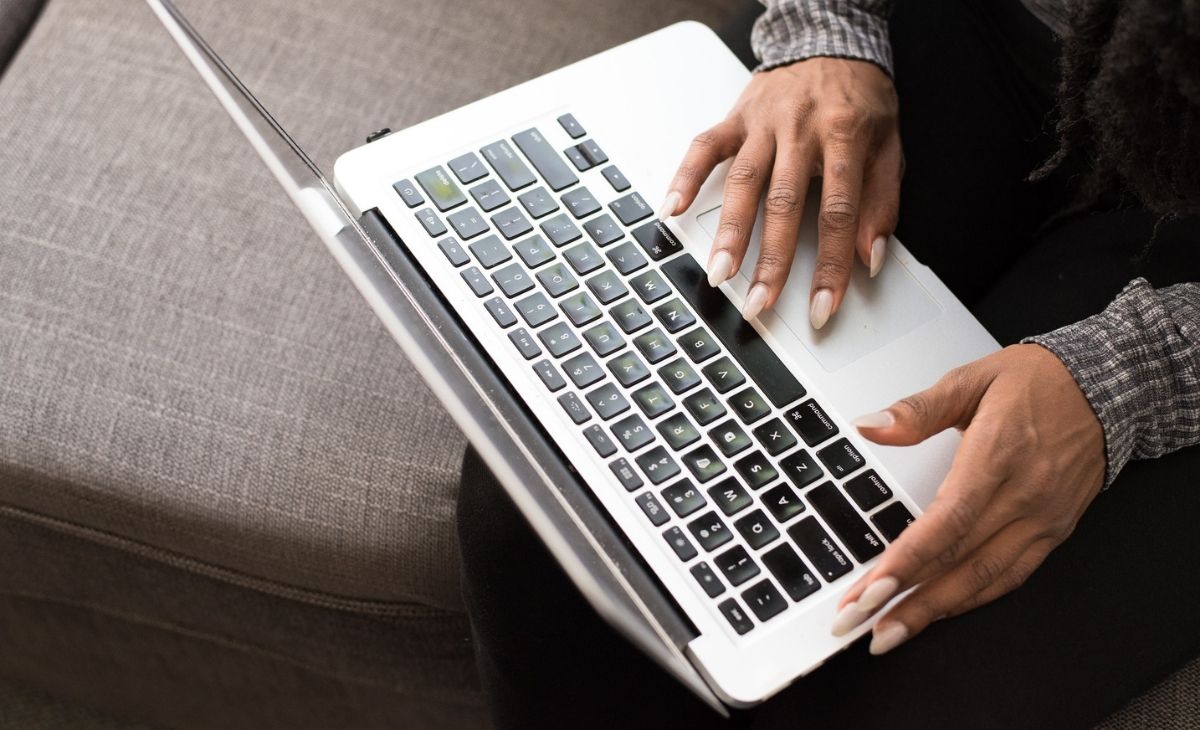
point(1138, 361)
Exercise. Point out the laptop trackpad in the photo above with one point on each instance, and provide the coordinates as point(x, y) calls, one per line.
point(873, 313)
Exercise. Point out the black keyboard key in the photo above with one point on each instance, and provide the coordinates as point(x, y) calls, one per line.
point(549, 375)
point(489, 196)
point(580, 308)
point(749, 405)
point(737, 565)
point(632, 432)
point(534, 251)
point(678, 431)
point(653, 400)
point(756, 529)
point(630, 316)
point(650, 286)
point(674, 316)
point(603, 230)
point(500, 312)
point(630, 208)
point(742, 341)
point(736, 617)
point(557, 280)
point(655, 345)
point(477, 281)
point(710, 531)
point(625, 474)
point(577, 158)
point(730, 438)
point(658, 465)
point(730, 496)
point(442, 191)
point(545, 159)
point(683, 497)
point(536, 309)
point(490, 251)
point(592, 152)
point(723, 374)
point(408, 193)
point(607, 401)
point(791, 572)
point(841, 458)
point(580, 203)
point(628, 369)
point(707, 579)
point(467, 168)
point(513, 280)
point(454, 252)
point(626, 258)
point(774, 437)
point(845, 522)
point(698, 344)
point(655, 512)
point(684, 550)
point(764, 600)
point(604, 339)
point(703, 463)
point(704, 406)
point(430, 222)
point(583, 370)
point(559, 339)
point(538, 202)
point(599, 441)
point(820, 549)
point(560, 230)
point(868, 491)
point(658, 242)
point(524, 343)
point(511, 223)
point(892, 520)
point(679, 376)
point(606, 285)
point(570, 126)
point(782, 502)
point(504, 160)
point(756, 470)
point(583, 258)
point(801, 469)
point(616, 178)
point(812, 423)
point(574, 408)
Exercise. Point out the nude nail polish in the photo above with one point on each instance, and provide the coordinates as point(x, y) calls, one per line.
point(669, 204)
point(879, 419)
point(878, 250)
point(821, 308)
point(887, 637)
point(847, 619)
point(755, 301)
point(720, 268)
point(878, 593)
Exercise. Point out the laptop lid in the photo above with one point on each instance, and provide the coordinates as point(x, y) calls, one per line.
point(531, 470)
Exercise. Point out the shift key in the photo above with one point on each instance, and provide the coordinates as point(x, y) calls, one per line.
point(545, 159)
point(844, 520)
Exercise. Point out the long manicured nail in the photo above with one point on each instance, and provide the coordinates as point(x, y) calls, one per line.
point(878, 593)
point(878, 249)
point(821, 308)
point(755, 300)
point(850, 616)
point(720, 268)
point(879, 419)
point(887, 636)
point(669, 204)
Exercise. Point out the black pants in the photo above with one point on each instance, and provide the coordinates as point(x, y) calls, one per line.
point(1109, 614)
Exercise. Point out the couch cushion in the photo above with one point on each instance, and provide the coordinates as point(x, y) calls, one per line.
point(183, 364)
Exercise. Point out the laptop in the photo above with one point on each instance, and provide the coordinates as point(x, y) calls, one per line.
point(695, 475)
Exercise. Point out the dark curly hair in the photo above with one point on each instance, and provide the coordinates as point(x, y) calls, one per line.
point(1129, 102)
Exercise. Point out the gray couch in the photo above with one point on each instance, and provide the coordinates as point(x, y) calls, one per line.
point(225, 499)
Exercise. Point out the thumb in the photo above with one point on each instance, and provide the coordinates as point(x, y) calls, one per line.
point(951, 402)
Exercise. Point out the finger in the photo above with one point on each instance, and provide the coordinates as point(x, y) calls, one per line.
point(782, 211)
point(995, 569)
point(744, 185)
point(949, 403)
point(707, 150)
point(880, 205)
point(837, 228)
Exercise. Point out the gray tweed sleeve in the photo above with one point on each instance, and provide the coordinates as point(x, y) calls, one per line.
point(792, 30)
point(1138, 363)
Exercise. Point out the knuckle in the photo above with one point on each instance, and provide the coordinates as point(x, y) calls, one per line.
point(831, 270)
point(771, 261)
point(844, 123)
point(782, 200)
point(801, 110)
point(960, 517)
point(707, 140)
point(918, 406)
point(744, 173)
point(732, 228)
point(839, 213)
point(985, 569)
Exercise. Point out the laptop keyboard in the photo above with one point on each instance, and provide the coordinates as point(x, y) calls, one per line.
point(705, 430)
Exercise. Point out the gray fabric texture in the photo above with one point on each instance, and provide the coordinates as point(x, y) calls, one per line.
point(16, 16)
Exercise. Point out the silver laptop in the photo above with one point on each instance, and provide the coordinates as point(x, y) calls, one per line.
point(695, 475)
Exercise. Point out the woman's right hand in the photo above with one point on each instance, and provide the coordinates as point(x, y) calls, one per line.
point(831, 117)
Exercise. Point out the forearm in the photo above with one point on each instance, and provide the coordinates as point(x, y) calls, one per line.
point(792, 30)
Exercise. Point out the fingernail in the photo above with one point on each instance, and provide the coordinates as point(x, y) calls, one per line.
point(878, 249)
point(669, 204)
point(820, 309)
point(850, 616)
point(878, 593)
point(755, 301)
point(879, 419)
point(887, 636)
point(720, 268)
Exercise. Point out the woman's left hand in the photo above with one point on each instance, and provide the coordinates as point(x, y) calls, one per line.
point(1031, 461)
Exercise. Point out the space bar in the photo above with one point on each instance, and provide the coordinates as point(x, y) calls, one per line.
point(726, 322)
